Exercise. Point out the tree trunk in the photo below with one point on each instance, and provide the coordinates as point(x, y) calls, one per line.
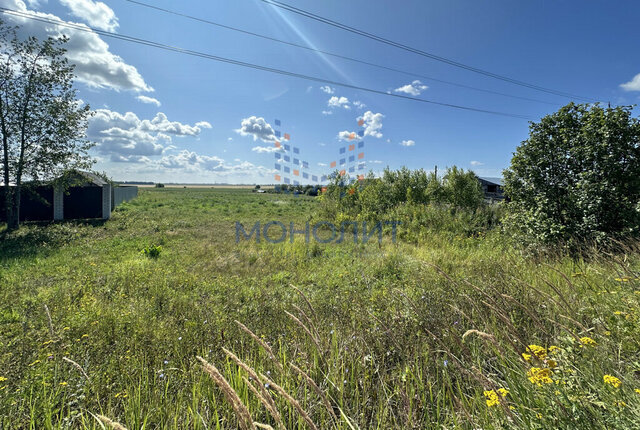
point(13, 209)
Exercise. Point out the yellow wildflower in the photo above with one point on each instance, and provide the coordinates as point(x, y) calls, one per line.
point(637, 390)
point(85, 335)
point(527, 357)
point(553, 349)
point(48, 342)
point(503, 392)
point(539, 351)
point(620, 404)
point(612, 380)
point(492, 398)
point(64, 384)
point(587, 341)
point(539, 376)
point(34, 363)
point(552, 363)
point(2, 379)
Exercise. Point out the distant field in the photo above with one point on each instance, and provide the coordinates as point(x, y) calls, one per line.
point(239, 187)
point(428, 332)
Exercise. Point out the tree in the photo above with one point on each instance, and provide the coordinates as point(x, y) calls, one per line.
point(462, 189)
point(576, 179)
point(42, 123)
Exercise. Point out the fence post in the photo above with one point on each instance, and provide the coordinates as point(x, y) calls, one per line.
point(58, 202)
point(106, 201)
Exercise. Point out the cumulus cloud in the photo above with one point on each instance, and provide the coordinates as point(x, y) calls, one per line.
point(96, 14)
point(327, 112)
point(372, 123)
point(265, 149)
point(96, 65)
point(477, 163)
point(632, 85)
point(258, 128)
point(407, 143)
point(415, 88)
point(339, 102)
point(126, 137)
point(192, 162)
point(327, 89)
point(149, 100)
point(358, 104)
point(347, 135)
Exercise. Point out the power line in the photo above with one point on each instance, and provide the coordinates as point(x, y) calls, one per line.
point(157, 45)
point(420, 52)
point(344, 57)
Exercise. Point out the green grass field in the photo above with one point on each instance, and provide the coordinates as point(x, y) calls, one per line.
point(428, 332)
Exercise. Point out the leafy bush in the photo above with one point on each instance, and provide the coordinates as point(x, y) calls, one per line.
point(152, 251)
point(418, 199)
point(576, 179)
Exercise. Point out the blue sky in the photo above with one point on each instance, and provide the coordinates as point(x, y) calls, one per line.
point(165, 116)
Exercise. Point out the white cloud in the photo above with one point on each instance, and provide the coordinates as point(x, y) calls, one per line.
point(322, 164)
point(477, 163)
point(372, 123)
point(35, 3)
point(265, 149)
point(414, 88)
point(632, 85)
point(96, 66)
point(229, 139)
point(126, 135)
point(327, 112)
point(339, 102)
point(358, 104)
point(347, 135)
point(375, 162)
point(149, 100)
point(407, 143)
point(203, 124)
point(96, 14)
point(258, 128)
point(327, 89)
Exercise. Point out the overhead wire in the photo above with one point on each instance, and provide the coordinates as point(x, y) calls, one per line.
point(146, 42)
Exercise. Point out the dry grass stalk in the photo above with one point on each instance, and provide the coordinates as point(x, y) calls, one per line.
point(77, 366)
point(306, 330)
point(49, 322)
point(273, 411)
point(486, 336)
point(293, 402)
point(260, 342)
point(308, 320)
point(110, 423)
point(263, 426)
point(245, 421)
point(264, 397)
point(318, 391)
point(313, 311)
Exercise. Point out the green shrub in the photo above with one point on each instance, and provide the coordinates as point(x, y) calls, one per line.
point(576, 179)
point(152, 251)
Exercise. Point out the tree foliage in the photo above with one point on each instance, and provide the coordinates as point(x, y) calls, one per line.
point(576, 179)
point(42, 123)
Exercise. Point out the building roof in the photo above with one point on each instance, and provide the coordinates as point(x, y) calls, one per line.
point(494, 181)
point(88, 177)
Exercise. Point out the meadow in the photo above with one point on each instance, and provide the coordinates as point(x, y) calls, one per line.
point(102, 323)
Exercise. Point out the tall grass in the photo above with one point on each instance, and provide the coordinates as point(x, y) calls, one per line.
point(425, 333)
